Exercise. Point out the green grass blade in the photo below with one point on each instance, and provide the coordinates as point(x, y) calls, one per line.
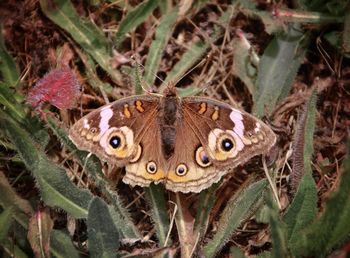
point(346, 33)
point(85, 33)
point(156, 200)
point(277, 229)
point(9, 199)
point(333, 226)
point(277, 70)
point(163, 33)
point(206, 201)
point(5, 223)
point(242, 63)
point(8, 68)
point(303, 209)
point(134, 18)
point(196, 51)
point(103, 236)
point(61, 245)
point(238, 209)
point(55, 187)
point(8, 99)
point(13, 250)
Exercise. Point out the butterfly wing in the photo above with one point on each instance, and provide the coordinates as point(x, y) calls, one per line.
point(212, 137)
point(124, 133)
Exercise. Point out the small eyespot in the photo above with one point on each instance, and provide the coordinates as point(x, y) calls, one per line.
point(181, 170)
point(202, 158)
point(115, 141)
point(227, 144)
point(151, 167)
point(93, 130)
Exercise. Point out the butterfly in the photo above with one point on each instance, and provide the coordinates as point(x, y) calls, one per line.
point(186, 143)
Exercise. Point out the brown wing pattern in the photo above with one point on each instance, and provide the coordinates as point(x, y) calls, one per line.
point(210, 138)
point(201, 132)
point(127, 120)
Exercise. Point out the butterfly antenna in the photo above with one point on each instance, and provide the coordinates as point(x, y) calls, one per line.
point(189, 71)
point(155, 75)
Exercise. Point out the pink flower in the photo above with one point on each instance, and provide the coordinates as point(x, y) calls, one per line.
point(59, 87)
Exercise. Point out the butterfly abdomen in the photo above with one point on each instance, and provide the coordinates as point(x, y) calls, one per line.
point(167, 118)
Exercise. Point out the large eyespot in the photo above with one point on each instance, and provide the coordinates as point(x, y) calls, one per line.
point(151, 167)
point(116, 140)
point(181, 170)
point(226, 143)
point(202, 158)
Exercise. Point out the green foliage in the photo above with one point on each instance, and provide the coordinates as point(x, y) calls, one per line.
point(85, 33)
point(103, 236)
point(277, 69)
point(300, 231)
point(243, 64)
point(163, 34)
point(39, 232)
point(55, 187)
point(156, 199)
point(333, 227)
point(5, 223)
point(302, 211)
point(61, 245)
point(93, 168)
point(134, 18)
point(9, 73)
point(9, 200)
point(205, 204)
point(335, 7)
point(277, 229)
point(196, 51)
point(239, 208)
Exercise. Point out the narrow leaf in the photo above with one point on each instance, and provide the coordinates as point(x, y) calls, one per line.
point(333, 226)
point(8, 99)
point(163, 33)
point(277, 230)
point(196, 51)
point(184, 224)
point(303, 209)
point(156, 200)
point(242, 62)
point(10, 200)
point(134, 18)
point(39, 230)
point(346, 33)
point(277, 70)
point(103, 236)
point(238, 209)
point(62, 246)
point(8, 68)
point(5, 223)
point(206, 201)
point(85, 33)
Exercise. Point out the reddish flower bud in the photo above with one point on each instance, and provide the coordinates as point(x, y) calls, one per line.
point(59, 87)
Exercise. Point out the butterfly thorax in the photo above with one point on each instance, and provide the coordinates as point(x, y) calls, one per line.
point(167, 117)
